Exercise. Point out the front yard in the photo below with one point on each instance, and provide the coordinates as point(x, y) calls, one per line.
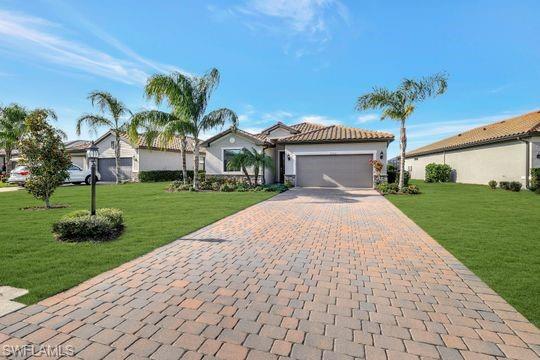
point(495, 233)
point(30, 258)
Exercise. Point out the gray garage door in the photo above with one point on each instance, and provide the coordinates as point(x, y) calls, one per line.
point(334, 170)
point(106, 168)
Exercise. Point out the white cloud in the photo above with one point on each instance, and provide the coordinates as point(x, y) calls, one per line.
point(319, 119)
point(367, 118)
point(38, 40)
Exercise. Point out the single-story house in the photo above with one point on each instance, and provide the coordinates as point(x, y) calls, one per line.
point(139, 156)
point(305, 154)
point(502, 151)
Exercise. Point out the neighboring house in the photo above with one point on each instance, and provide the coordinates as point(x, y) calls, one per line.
point(502, 151)
point(305, 154)
point(137, 157)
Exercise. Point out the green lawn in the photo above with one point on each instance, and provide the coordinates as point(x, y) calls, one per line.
point(30, 258)
point(495, 233)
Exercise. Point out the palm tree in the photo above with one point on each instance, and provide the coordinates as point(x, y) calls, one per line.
point(164, 127)
point(117, 110)
point(399, 104)
point(188, 98)
point(240, 161)
point(259, 160)
point(12, 129)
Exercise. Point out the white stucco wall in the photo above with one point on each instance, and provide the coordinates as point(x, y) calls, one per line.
point(338, 148)
point(478, 165)
point(163, 160)
point(106, 151)
point(214, 153)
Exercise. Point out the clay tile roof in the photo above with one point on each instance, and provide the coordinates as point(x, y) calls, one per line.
point(173, 145)
point(337, 133)
point(78, 145)
point(499, 131)
point(306, 126)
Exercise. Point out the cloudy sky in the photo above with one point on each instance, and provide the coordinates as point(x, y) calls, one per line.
point(290, 61)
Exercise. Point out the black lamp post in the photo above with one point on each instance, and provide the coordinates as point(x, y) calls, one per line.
point(92, 154)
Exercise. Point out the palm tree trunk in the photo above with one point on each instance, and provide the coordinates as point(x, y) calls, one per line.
point(117, 158)
point(402, 147)
point(256, 173)
point(8, 160)
point(196, 163)
point(263, 177)
point(247, 175)
point(183, 146)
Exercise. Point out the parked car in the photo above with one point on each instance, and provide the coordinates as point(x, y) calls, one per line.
point(76, 175)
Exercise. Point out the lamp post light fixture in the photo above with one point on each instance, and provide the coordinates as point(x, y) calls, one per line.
point(92, 153)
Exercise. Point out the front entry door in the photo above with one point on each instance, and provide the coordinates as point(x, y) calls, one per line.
point(281, 167)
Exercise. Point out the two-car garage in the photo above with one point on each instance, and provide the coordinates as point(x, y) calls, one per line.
point(334, 170)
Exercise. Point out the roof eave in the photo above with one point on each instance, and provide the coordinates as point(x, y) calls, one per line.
point(284, 141)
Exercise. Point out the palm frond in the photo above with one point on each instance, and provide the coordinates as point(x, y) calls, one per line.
point(108, 103)
point(218, 118)
point(93, 122)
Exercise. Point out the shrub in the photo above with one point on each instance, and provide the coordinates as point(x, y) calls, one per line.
point(289, 184)
point(179, 185)
point(492, 184)
point(388, 188)
point(242, 187)
point(274, 188)
point(393, 175)
point(166, 175)
point(438, 173)
point(81, 226)
point(411, 190)
point(226, 187)
point(505, 185)
point(535, 180)
point(515, 186)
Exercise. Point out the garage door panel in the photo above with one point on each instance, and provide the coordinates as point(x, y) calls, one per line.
point(106, 168)
point(334, 170)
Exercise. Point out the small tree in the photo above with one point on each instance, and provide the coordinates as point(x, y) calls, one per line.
point(259, 160)
point(11, 129)
point(45, 155)
point(240, 161)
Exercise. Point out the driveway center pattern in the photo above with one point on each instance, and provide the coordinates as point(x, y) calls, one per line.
point(309, 274)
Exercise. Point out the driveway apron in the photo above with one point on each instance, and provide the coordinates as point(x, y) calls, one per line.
point(308, 274)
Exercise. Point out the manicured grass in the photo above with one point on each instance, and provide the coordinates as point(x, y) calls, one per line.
point(31, 258)
point(495, 233)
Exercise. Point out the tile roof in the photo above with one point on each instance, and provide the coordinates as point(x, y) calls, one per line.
point(307, 126)
point(503, 130)
point(173, 145)
point(337, 133)
point(77, 145)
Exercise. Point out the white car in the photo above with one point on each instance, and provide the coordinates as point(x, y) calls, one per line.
point(76, 175)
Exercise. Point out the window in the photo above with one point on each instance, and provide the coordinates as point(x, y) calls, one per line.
point(228, 154)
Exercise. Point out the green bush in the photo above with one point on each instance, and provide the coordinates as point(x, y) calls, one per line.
point(515, 186)
point(242, 187)
point(179, 185)
point(411, 190)
point(438, 173)
point(393, 175)
point(166, 175)
point(535, 180)
point(227, 187)
point(289, 184)
point(388, 188)
point(274, 188)
point(492, 184)
point(505, 185)
point(81, 226)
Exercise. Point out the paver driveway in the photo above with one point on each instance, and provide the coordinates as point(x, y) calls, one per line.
point(309, 274)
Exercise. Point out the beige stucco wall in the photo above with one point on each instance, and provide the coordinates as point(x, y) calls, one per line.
point(278, 133)
point(106, 151)
point(79, 160)
point(374, 148)
point(478, 165)
point(163, 160)
point(214, 153)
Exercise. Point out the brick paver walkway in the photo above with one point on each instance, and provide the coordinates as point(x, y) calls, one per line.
point(309, 274)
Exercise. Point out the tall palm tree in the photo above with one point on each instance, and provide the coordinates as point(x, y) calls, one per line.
point(399, 104)
point(12, 129)
point(106, 103)
point(156, 124)
point(188, 98)
point(259, 160)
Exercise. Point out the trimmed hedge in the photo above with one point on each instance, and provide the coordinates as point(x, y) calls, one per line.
point(80, 226)
point(535, 180)
point(438, 173)
point(166, 175)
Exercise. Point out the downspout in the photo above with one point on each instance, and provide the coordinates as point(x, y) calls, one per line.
point(527, 162)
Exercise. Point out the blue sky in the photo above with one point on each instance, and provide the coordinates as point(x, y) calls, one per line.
point(304, 60)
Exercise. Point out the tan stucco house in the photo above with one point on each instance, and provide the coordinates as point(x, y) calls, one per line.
point(502, 151)
point(139, 156)
point(306, 154)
